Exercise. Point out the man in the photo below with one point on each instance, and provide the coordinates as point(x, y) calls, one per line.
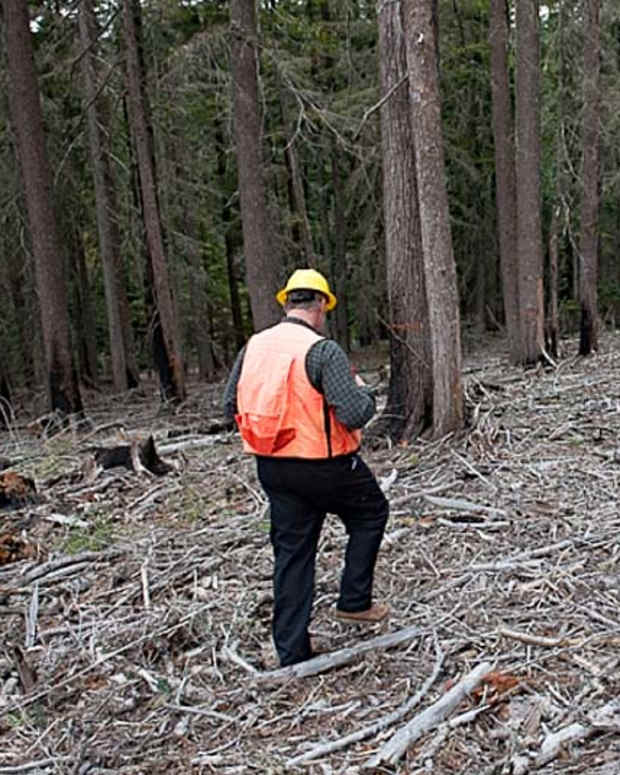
point(299, 409)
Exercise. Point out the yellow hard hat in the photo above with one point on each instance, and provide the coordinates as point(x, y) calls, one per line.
point(307, 280)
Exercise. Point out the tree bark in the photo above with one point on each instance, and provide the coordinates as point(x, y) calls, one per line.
point(199, 301)
point(410, 395)
point(122, 351)
point(553, 326)
point(529, 229)
point(588, 340)
point(86, 334)
point(261, 262)
point(439, 266)
point(299, 202)
point(505, 185)
point(231, 240)
point(167, 351)
point(338, 264)
point(27, 119)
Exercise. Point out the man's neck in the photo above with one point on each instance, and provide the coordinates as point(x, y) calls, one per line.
point(304, 316)
point(307, 315)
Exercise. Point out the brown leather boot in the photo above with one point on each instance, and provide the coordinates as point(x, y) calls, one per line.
point(376, 613)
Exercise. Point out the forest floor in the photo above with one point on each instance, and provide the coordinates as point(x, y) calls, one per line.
point(135, 609)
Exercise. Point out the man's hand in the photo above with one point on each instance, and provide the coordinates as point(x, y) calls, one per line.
point(359, 381)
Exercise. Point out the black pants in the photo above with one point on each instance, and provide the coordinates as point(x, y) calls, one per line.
point(300, 493)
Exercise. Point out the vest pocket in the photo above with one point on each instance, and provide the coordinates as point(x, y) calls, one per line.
point(263, 408)
point(262, 433)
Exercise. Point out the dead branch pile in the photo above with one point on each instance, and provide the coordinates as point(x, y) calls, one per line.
point(135, 609)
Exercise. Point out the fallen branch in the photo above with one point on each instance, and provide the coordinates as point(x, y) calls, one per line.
point(337, 658)
point(603, 719)
point(38, 572)
point(429, 718)
point(534, 640)
point(376, 726)
point(524, 558)
point(35, 765)
point(551, 747)
point(460, 504)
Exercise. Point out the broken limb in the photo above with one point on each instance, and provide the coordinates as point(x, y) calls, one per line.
point(337, 658)
point(376, 726)
point(429, 718)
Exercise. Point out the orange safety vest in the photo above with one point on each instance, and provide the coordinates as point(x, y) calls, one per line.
point(279, 412)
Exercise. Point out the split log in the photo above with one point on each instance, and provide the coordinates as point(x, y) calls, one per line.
point(429, 718)
point(134, 457)
point(338, 658)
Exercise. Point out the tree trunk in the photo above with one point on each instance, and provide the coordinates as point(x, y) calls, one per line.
point(590, 203)
point(122, 352)
point(199, 301)
point(529, 230)
point(505, 186)
point(25, 107)
point(338, 264)
point(168, 359)
point(553, 314)
point(86, 334)
point(409, 405)
point(439, 266)
point(261, 262)
point(230, 241)
point(299, 202)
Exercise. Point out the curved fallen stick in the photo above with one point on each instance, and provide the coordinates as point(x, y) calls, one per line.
point(429, 718)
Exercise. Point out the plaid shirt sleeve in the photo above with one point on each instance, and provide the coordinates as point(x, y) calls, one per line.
point(329, 371)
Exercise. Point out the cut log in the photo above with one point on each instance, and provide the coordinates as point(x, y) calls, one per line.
point(111, 457)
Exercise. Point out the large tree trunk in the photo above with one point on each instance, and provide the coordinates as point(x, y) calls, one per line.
point(167, 350)
point(410, 393)
point(261, 263)
point(588, 340)
point(505, 185)
point(439, 266)
point(529, 230)
point(122, 351)
point(25, 107)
